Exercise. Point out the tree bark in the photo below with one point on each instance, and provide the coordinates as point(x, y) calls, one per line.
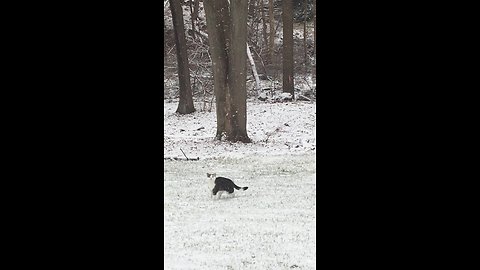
point(192, 19)
point(315, 38)
point(237, 114)
point(272, 30)
point(216, 12)
point(196, 6)
point(227, 39)
point(264, 26)
point(287, 16)
point(185, 104)
point(305, 59)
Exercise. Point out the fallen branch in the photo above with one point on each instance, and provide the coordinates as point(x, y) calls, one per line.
point(184, 153)
point(181, 159)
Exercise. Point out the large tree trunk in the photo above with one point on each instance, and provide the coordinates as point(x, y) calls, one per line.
point(185, 104)
point(237, 114)
point(227, 35)
point(287, 17)
point(215, 12)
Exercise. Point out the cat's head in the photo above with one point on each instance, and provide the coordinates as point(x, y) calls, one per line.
point(211, 175)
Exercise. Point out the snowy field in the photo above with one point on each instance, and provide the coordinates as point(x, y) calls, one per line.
point(269, 226)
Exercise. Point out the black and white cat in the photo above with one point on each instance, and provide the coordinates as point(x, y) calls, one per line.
point(219, 185)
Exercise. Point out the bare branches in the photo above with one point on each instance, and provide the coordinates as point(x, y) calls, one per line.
point(264, 41)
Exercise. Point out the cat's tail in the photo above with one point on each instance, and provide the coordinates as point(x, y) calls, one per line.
point(237, 187)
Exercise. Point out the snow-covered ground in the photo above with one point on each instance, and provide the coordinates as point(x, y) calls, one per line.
point(275, 128)
point(269, 226)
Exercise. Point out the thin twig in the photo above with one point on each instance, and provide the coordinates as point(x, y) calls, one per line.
point(184, 154)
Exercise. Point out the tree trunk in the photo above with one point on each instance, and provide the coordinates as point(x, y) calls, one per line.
point(185, 104)
point(195, 10)
point(315, 38)
point(216, 12)
point(192, 19)
point(272, 30)
point(264, 26)
point(287, 16)
point(251, 7)
point(237, 112)
point(305, 59)
point(227, 39)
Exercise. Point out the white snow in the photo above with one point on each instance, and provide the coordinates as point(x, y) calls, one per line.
point(276, 129)
point(269, 226)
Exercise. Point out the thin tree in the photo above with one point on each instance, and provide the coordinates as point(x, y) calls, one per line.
point(227, 35)
point(251, 8)
point(305, 59)
point(185, 104)
point(315, 37)
point(192, 18)
point(194, 8)
point(272, 30)
point(287, 17)
point(264, 25)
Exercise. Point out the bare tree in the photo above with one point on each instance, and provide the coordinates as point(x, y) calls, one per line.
point(251, 8)
point(315, 36)
point(264, 25)
point(305, 4)
point(272, 30)
point(185, 104)
point(192, 18)
point(227, 35)
point(287, 17)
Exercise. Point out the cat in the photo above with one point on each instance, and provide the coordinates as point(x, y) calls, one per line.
point(219, 185)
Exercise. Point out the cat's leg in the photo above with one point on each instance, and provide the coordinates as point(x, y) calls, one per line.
point(231, 192)
point(214, 192)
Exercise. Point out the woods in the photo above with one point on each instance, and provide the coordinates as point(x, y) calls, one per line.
point(229, 53)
